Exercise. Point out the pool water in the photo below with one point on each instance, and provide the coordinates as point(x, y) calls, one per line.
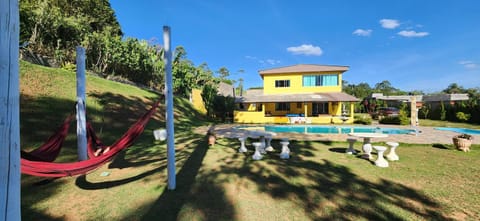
point(460, 130)
point(319, 129)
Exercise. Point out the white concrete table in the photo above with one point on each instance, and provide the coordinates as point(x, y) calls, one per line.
point(262, 142)
point(367, 145)
point(380, 162)
point(269, 147)
point(257, 155)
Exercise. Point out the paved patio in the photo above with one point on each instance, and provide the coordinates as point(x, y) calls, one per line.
point(427, 135)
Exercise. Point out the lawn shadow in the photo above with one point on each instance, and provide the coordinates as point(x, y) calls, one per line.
point(352, 196)
point(213, 206)
point(441, 146)
point(338, 149)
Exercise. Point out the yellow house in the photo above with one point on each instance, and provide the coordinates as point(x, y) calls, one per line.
point(298, 94)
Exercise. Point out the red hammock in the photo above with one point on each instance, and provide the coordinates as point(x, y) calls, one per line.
point(48, 169)
point(49, 151)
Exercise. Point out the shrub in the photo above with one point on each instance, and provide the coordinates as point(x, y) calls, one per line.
point(390, 120)
point(398, 120)
point(424, 111)
point(403, 117)
point(463, 117)
point(365, 119)
point(443, 112)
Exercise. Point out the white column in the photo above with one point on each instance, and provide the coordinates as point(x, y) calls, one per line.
point(169, 112)
point(9, 112)
point(81, 106)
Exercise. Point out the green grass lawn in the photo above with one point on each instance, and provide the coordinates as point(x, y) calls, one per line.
point(319, 182)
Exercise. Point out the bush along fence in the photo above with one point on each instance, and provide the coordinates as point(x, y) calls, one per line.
point(458, 112)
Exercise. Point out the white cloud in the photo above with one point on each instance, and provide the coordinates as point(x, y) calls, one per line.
point(271, 61)
point(362, 32)
point(306, 50)
point(411, 34)
point(468, 64)
point(266, 61)
point(389, 23)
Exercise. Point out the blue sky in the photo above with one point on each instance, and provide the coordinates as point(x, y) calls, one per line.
point(416, 45)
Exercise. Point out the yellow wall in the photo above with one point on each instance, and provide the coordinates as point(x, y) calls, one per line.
point(197, 101)
point(248, 117)
point(296, 84)
point(294, 109)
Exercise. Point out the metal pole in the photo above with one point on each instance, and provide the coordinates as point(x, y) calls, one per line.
point(169, 111)
point(81, 116)
point(9, 112)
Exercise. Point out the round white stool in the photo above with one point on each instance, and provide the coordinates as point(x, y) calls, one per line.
point(367, 148)
point(242, 149)
point(392, 155)
point(285, 154)
point(257, 155)
point(350, 149)
point(380, 162)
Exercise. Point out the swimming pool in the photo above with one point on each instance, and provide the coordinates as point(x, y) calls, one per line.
point(460, 130)
point(322, 129)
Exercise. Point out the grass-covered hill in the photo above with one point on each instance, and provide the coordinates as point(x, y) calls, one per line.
point(48, 96)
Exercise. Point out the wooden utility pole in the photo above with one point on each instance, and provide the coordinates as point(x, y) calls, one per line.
point(169, 111)
point(9, 112)
point(81, 106)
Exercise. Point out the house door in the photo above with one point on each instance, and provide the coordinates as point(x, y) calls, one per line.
point(319, 108)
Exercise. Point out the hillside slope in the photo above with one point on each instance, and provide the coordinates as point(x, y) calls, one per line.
point(48, 96)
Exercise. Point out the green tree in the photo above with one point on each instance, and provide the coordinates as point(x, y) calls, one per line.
point(239, 88)
point(386, 88)
point(454, 88)
point(186, 75)
point(209, 92)
point(223, 73)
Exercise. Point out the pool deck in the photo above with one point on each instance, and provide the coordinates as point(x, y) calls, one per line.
point(427, 135)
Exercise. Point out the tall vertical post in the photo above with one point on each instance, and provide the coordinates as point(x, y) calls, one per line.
point(9, 112)
point(413, 111)
point(81, 115)
point(169, 111)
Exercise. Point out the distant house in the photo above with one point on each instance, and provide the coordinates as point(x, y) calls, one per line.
point(432, 100)
point(436, 99)
point(396, 100)
point(297, 94)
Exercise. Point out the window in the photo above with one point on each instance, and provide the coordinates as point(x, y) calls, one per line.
point(320, 80)
point(299, 105)
point(282, 106)
point(282, 83)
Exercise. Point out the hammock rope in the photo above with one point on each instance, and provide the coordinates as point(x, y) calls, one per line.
point(49, 169)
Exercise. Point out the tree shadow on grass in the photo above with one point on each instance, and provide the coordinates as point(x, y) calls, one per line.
point(352, 196)
point(168, 206)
